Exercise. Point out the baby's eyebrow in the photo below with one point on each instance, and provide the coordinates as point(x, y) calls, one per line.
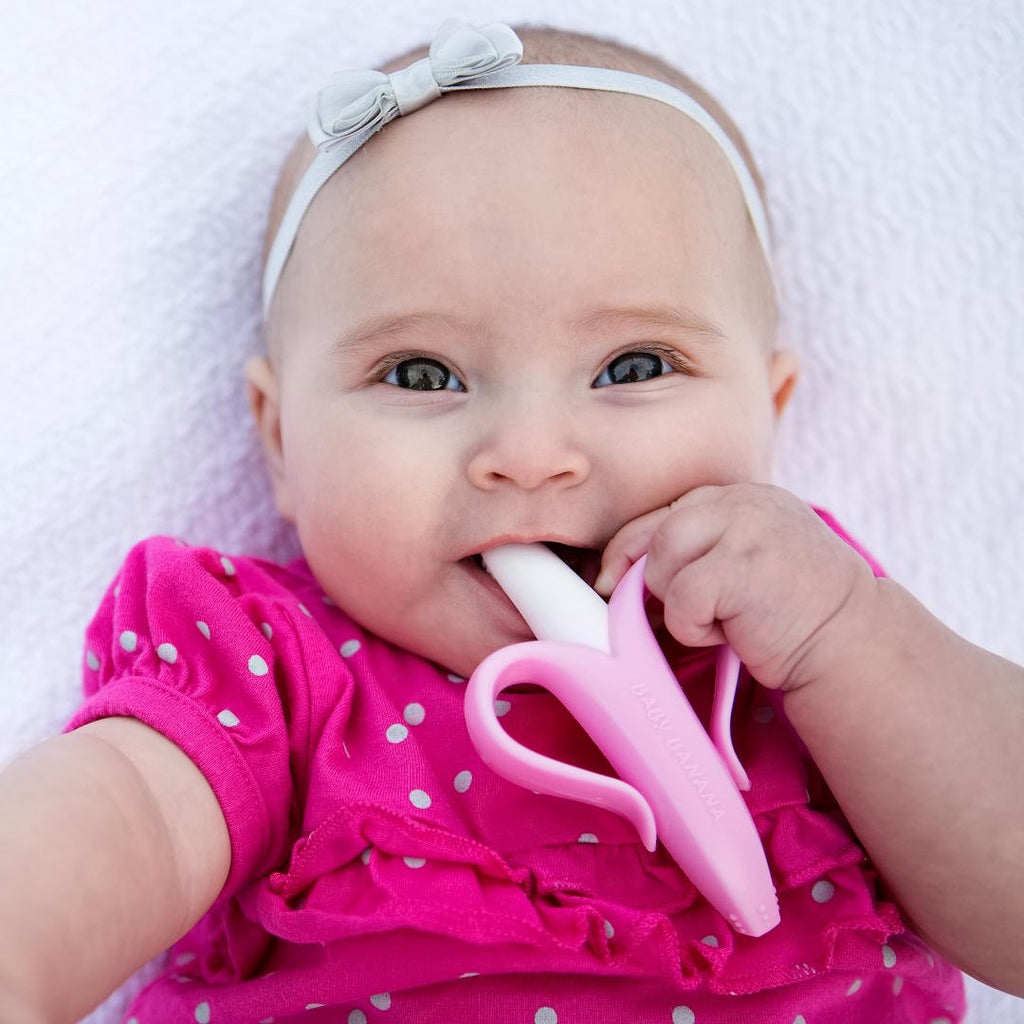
point(390, 324)
point(605, 318)
point(676, 318)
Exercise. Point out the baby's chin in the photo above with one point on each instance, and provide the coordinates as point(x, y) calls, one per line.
point(460, 655)
point(464, 662)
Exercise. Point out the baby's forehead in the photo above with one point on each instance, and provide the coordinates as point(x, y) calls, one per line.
point(468, 150)
point(524, 124)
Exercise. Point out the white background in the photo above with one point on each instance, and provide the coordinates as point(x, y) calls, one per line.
point(139, 147)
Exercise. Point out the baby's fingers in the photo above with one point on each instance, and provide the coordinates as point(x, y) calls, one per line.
point(629, 544)
point(691, 601)
point(641, 534)
point(694, 525)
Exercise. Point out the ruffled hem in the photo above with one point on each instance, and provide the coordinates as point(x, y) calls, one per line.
point(367, 871)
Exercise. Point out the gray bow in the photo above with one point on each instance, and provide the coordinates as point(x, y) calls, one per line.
point(364, 101)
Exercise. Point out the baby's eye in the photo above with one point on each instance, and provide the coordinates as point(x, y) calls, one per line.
point(631, 367)
point(421, 374)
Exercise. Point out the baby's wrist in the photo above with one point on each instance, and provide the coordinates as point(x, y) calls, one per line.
point(841, 640)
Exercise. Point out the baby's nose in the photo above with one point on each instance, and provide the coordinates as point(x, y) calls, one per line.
point(530, 446)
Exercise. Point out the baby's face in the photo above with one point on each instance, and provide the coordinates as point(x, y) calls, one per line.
point(512, 318)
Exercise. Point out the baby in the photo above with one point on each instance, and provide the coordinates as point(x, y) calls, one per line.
point(515, 314)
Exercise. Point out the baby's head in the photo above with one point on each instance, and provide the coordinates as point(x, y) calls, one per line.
point(516, 313)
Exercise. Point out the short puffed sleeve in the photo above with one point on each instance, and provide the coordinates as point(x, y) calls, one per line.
point(213, 652)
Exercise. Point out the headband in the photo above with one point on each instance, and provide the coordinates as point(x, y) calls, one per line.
point(357, 104)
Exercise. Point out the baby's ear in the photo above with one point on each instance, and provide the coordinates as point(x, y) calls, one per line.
point(265, 403)
point(783, 373)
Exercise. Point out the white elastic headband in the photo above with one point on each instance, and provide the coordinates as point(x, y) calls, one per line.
point(357, 104)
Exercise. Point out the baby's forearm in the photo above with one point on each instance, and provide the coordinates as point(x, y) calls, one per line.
point(918, 734)
point(91, 881)
point(66, 928)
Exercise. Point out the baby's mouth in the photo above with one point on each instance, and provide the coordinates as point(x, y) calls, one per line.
point(585, 562)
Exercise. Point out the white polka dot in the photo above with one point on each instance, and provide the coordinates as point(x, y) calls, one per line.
point(202, 1013)
point(349, 647)
point(502, 708)
point(228, 566)
point(329, 601)
point(897, 985)
point(609, 930)
point(365, 855)
point(128, 640)
point(267, 630)
point(545, 1015)
point(133, 1020)
point(168, 653)
point(305, 611)
point(92, 661)
point(463, 781)
point(799, 1019)
point(587, 837)
point(414, 862)
point(940, 1020)
point(420, 798)
point(396, 733)
point(314, 1006)
point(257, 666)
point(267, 1020)
point(357, 1017)
point(204, 629)
point(683, 1015)
point(454, 678)
point(888, 956)
point(822, 891)
point(710, 940)
point(185, 958)
point(382, 1000)
point(414, 714)
point(855, 987)
point(228, 718)
point(470, 974)
point(763, 714)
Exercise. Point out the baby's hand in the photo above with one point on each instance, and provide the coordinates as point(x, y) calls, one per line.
point(750, 565)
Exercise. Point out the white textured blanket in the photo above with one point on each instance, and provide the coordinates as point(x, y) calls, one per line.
point(140, 143)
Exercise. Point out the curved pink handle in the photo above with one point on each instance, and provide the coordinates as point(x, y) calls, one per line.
point(545, 663)
point(727, 677)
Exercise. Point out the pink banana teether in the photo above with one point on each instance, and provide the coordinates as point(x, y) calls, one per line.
point(603, 663)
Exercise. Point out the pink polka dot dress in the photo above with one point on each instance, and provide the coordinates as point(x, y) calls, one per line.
point(381, 872)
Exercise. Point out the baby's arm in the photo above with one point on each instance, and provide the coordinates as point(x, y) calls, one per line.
point(916, 731)
point(113, 847)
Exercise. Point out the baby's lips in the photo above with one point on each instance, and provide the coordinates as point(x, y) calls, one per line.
point(584, 561)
